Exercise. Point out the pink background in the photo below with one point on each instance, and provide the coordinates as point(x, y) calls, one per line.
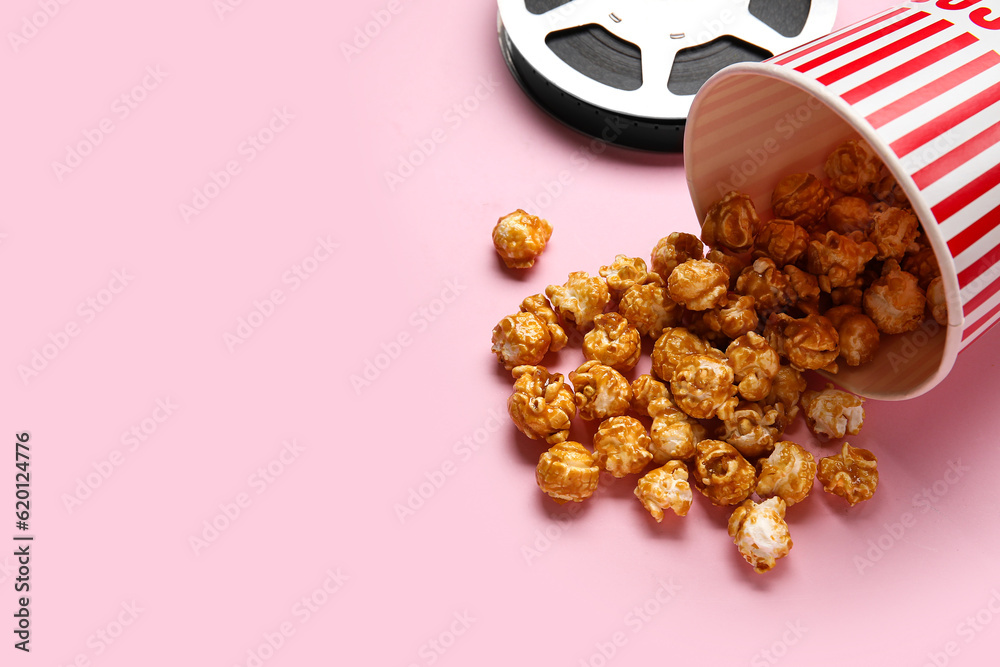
point(486, 570)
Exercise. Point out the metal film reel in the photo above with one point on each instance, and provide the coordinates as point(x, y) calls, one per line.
point(626, 70)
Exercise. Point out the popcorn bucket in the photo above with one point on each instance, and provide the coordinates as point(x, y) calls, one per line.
point(921, 84)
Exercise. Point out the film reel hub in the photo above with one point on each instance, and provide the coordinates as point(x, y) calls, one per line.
point(638, 63)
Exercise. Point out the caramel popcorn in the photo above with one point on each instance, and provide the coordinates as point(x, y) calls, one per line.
point(541, 405)
point(806, 288)
point(809, 343)
point(832, 413)
point(889, 191)
point(673, 436)
point(820, 282)
point(853, 167)
point(786, 390)
point(703, 387)
point(755, 365)
point(699, 284)
point(895, 301)
point(731, 223)
point(519, 238)
point(836, 260)
point(852, 474)
point(878, 207)
point(566, 472)
point(700, 428)
point(674, 343)
point(580, 299)
point(853, 295)
point(893, 232)
point(623, 273)
point(760, 532)
point(923, 264)
point(521, 340)
point(721, 473)
point(613, 342)
point(782, 241)
point(733, 320)
point(788, 473)
point(670, 251)
point(769, 287)
point(751, 430)
point(800, 198)
point(650, 309)
point(621, 446)
point(538, 306)
point(733, 264)
point(936, 301)
point(664, 488)
point(650, 396)
point(697, 322)
point(849, 214)
point(601, 391)
point(859, 337)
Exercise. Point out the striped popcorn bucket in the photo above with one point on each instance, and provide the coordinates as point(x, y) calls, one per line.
point(921, 84)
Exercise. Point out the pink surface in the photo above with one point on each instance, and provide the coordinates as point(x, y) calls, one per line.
point(227, 339)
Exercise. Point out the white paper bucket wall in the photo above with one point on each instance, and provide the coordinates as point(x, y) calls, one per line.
point(921, 83)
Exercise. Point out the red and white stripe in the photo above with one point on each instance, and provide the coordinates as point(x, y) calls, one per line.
point(931, 90)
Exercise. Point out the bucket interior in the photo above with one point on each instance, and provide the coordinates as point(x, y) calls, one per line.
point(748, 129)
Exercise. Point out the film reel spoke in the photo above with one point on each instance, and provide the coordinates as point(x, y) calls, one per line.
point(658, 57)
point(573, 15)
point(754, 31)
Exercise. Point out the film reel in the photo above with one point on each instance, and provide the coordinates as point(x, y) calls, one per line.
point(625, 71)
